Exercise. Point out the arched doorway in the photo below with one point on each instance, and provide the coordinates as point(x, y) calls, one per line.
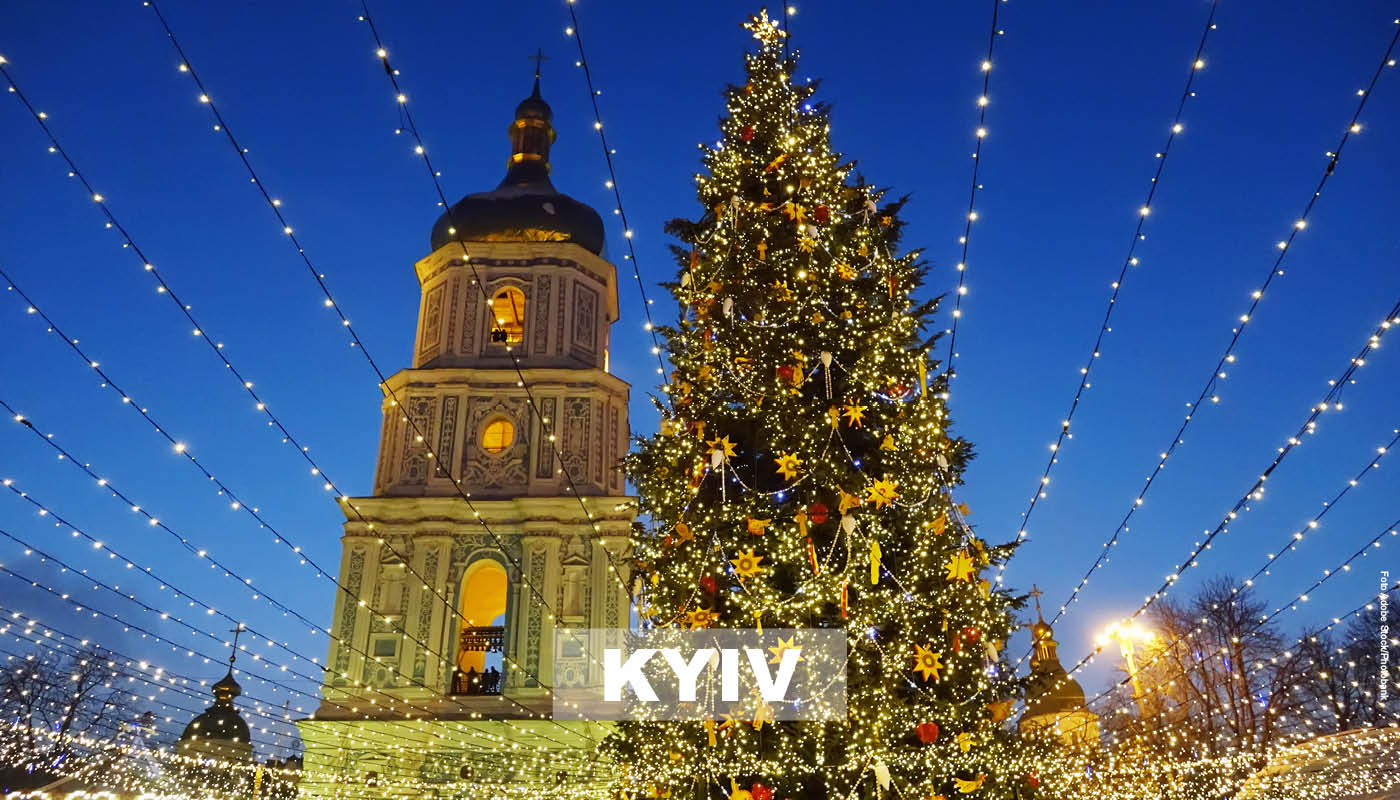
point(479, 644)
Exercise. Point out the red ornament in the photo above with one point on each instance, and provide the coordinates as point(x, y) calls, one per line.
point(970, 634)
point(761, 792)
point(747, 133)
point(928, 732)
point(898, 390)
point(821, 215)
point(1033, 780)
point(817, 513)
point(709, 584)
point(785, 372)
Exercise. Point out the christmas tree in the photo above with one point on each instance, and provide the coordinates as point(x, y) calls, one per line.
point(803, 474)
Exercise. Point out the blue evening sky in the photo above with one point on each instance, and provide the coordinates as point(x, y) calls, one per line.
point(1082, 96)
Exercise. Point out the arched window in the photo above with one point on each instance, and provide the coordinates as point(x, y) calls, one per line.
point(497, 436)
point(508, 316)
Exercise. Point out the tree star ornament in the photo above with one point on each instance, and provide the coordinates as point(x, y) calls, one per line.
point(701, 618)
point(788, 464)
point(882, 492)
point(722, 445)
point(747, 565)
point(926, 662)
point(783, 646)
point(854, 414)
point(960, 567)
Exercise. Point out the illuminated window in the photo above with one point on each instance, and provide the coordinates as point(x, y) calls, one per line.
point(508, 316)
point(497, 436)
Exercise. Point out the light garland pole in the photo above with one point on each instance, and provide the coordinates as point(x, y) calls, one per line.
point(1127, 635)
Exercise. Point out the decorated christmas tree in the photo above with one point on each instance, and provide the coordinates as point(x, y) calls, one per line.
point(803, 477)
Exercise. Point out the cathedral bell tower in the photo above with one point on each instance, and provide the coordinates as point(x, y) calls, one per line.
point(446, 621)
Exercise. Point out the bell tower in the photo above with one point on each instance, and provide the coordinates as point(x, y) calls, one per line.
point(449, 630)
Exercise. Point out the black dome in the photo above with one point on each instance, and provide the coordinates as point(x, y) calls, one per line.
point(532, 212)
point(525, 207)
point(1053, 691)
point(221, 720)
point(220, 723)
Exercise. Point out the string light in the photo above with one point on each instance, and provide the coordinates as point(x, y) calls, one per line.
point(574, 32)
point(1130, 260)
point(1228, 356)
point(1256, 488)
point(983, 100)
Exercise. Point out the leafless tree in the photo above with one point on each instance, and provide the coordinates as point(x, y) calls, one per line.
point(1216, 677)
point(1347, 673)
point(47, 701)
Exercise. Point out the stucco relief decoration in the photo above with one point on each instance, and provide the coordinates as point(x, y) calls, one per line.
point(542, 291)
point(544, 458)
point(470, 323)
point(432, 321)
point(415, 454)
point(577, 423)
point(504, 471)
point(585, 317)
point(354, 576)
point(447, 434)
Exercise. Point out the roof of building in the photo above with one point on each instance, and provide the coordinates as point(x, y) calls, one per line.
point(525, 207)
point(221, 721)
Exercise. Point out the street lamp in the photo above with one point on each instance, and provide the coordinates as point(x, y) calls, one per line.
point(1128, 634)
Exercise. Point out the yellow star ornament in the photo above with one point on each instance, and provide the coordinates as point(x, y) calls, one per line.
point(882, 493)
point(721, 444)
point(783, 646)
point(854, 414)
point(788, 464)
point(747, 565)
point(701, 618)
point(926, 662)
point(960, 567)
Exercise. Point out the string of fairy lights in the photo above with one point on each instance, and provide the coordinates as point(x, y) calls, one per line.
point(44, 511)
point(979, 135)
point(1166, 731)
point(1130, 261)
point(1308, 427)
point(1297, 537)
point(575, 32)
point(1255, 490)
point(1209, 391)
